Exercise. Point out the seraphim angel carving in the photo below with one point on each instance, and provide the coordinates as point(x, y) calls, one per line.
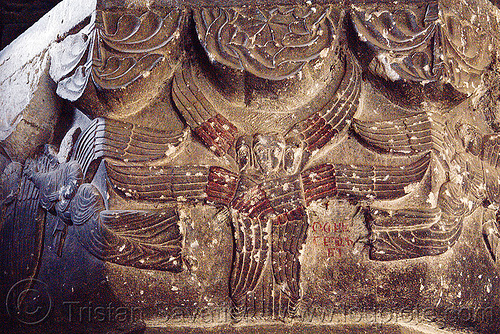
point(274, 113)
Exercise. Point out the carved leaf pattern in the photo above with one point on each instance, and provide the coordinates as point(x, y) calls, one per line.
point(406, 42)
point(130, 47)
point(270, 42)
point(117, 52)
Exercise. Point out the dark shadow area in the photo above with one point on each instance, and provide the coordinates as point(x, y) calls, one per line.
point(18, 15)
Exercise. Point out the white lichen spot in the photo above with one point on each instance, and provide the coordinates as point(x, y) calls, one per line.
point(324, 53)
point(411, 187)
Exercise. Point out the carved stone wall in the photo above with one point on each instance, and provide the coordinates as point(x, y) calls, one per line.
point(316, 164)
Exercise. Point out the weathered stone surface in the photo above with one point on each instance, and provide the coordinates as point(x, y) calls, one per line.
point(327, 166)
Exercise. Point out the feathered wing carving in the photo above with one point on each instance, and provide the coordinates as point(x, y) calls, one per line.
point(251, 251)
point(380, 182)
point(125, 142)
point(412, 134)
point(141, 239)
point(266, 268)
point(339, 106)
point(403, 233)
point(271, 42)
point(412, 233)
point(270, 226)
point(159, 183)
point(406, 42)
point(319, 183)
point(215, 131)
point(289, 232)
point(174, 183)
point(22, 225)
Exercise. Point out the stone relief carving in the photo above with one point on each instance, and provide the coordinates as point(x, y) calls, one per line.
point(265, 113)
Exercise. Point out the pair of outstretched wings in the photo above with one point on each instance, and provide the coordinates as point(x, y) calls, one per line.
point(144, 239)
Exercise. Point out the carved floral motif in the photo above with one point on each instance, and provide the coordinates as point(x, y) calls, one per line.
point(270, 42)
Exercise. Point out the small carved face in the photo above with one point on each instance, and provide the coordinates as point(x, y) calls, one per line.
point(244, 152)
point(469, 136)
point(268, 152)
point(294, 152)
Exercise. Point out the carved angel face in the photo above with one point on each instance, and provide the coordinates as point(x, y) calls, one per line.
point(469, 136)
point(268, 152)
point(244, 152)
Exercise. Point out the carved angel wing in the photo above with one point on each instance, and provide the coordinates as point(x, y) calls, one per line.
point(266, 267)
point(380, 182)
point(179, 183)
point(251, 246)
point(288, 235)
point(411, 233)
point(215, 131)
point(319, 183)
point(22, 225)
point(412, 134)
point(136, 238)
point(126, 142)
point(339, 107)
